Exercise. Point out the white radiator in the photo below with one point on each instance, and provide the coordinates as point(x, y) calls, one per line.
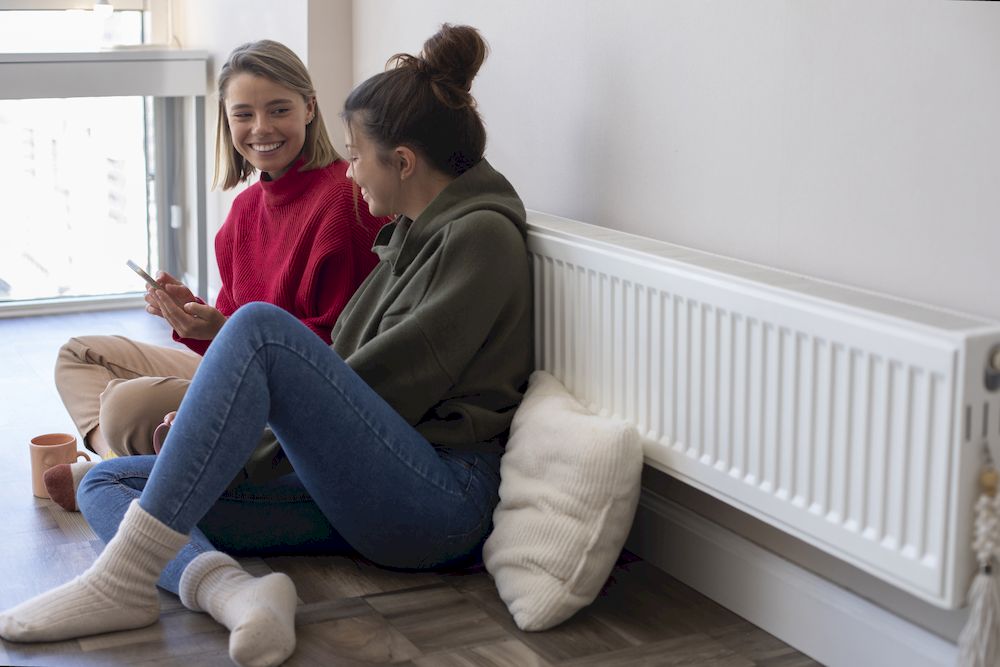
point(852, 420)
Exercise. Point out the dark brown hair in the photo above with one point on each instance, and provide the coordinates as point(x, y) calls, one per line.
point(275, 61)
point(424, 101)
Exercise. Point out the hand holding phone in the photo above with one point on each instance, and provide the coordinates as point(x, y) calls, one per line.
point(145, 276)
point(155, 284)
point(178, 306)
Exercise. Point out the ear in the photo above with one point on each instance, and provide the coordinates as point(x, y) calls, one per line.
point(405, 159)
point(310, 109)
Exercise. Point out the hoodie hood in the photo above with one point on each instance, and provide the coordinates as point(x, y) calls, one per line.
point(480, 188)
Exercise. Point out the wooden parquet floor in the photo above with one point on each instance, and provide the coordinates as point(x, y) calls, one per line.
point(351, 613)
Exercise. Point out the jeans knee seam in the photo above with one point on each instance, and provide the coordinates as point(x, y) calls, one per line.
point(117, 478)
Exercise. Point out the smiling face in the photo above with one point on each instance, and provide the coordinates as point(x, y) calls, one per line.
point(267, 122)
point(380, 183)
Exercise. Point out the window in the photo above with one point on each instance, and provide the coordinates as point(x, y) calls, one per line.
point(88, 131)
point(32, 30)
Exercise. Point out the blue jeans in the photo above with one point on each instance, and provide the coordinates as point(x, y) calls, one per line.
point(364, 479)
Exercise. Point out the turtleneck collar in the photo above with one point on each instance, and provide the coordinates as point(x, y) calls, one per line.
point(289, 186)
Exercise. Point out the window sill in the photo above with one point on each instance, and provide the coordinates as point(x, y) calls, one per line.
point(146, 70)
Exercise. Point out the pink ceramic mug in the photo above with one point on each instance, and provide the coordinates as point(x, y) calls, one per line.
point(49, 450)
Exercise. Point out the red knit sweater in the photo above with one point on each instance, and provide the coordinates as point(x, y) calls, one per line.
point(297, 243)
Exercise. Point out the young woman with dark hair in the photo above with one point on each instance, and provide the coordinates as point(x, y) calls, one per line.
point(394, 432)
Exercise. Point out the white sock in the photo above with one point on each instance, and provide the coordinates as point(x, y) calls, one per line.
point(259, 612)
point(117, 592)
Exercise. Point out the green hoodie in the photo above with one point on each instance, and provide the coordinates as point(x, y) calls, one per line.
point(441, 329)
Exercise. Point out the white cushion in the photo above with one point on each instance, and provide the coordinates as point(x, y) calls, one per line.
point(568, 492)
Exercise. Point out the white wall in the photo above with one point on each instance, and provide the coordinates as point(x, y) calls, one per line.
point(847, 140)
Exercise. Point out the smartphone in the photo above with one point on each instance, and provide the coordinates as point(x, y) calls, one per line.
point(145, 276)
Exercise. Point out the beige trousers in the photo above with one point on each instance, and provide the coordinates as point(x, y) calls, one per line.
point(123, 385)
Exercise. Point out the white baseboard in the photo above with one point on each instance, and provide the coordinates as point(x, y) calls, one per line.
point(826, 622)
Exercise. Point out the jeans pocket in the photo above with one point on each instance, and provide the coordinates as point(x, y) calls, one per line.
point(462, 466)
point(481, 496)
point(471, 515)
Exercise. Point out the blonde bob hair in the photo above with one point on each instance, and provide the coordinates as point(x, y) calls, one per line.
point(276, 62)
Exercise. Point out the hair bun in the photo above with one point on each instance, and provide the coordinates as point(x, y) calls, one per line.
point(455, 54)
point(449, 61)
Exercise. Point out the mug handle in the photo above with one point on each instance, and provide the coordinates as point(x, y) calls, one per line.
point(83, 454)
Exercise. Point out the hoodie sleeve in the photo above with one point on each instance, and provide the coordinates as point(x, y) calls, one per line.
point(420, 354)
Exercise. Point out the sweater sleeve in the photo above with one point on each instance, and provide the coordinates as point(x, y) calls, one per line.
point(422, 353)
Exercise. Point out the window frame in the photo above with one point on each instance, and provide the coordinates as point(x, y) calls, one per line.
point(46, 5)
